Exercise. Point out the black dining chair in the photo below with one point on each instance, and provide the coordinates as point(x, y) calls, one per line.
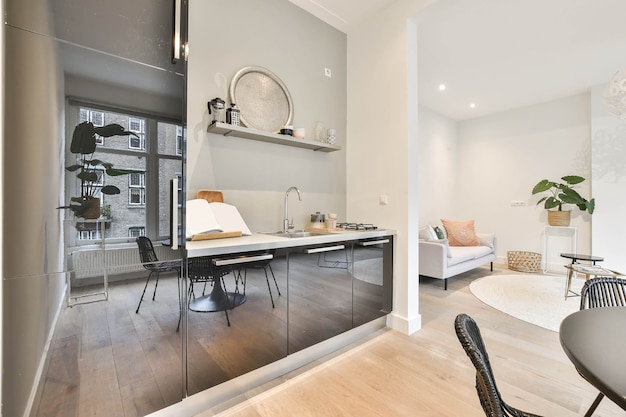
point(264, 265)
point(203, 272)
point(602, 292)
point(490, 399)
point(151, 263)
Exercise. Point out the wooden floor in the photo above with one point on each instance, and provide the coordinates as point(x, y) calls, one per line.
point(390, 374)
point(428, 373)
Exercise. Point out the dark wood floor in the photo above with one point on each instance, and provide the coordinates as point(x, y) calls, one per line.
point(106, 360)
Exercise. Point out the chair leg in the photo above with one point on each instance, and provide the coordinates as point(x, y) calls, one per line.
point(220, 281)
point(156, 284)
point(144, 291)
point(595, 404)
point(269, 288)
point(274, 276)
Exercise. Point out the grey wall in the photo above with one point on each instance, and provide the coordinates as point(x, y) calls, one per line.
point(33, 151)
point(275, 34)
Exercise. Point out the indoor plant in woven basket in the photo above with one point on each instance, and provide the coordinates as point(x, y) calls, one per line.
point(560, 194)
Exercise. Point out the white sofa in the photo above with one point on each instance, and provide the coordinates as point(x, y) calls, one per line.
point(439, 260)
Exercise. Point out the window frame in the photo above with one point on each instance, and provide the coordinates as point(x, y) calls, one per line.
point(150, 191)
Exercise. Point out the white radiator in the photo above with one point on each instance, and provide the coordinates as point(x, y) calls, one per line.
point(91, 263)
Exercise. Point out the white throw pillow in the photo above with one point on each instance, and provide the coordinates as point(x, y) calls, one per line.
point(427, 233)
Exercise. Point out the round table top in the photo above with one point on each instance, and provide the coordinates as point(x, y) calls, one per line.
point(594, 340)
point(578, 256)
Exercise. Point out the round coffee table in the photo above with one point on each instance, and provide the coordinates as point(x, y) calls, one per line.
point(575, 257)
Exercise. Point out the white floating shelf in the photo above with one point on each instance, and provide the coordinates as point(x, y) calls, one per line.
point(248, 133)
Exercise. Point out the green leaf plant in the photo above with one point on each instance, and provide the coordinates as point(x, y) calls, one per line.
point(563, 193)
point(90, 170)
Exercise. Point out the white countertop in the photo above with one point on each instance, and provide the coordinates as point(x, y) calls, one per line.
point(263, 241)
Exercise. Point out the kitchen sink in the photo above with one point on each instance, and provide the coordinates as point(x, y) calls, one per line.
point(296, 233)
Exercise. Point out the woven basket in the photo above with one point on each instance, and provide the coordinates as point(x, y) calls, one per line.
point(524, 261)
point(558, 218)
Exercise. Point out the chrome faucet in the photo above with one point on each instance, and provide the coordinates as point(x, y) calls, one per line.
point(286, 224)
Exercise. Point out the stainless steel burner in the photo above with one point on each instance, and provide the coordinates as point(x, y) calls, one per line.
point(357, 226)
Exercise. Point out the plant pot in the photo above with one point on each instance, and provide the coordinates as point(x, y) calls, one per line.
point(90, 208)
point(558, 218)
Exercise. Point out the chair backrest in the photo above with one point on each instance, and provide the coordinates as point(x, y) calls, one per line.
point(146, 251)
point(603, 292)
point(469, 335)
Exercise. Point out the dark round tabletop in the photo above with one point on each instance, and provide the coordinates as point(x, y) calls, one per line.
point(580, 257)
point(594, 340)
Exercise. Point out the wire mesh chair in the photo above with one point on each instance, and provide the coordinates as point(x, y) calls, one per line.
point(151, 263)
point(602, 292)
point(201, 270)
point(263, 265)
point(490, 399)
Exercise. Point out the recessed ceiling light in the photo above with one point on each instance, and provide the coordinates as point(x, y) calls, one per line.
point(442, 87)
point(472, 105)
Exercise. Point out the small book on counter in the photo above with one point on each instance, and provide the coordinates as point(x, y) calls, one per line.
point(213, 221)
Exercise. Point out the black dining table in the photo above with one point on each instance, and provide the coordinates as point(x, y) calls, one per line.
point(594, 340)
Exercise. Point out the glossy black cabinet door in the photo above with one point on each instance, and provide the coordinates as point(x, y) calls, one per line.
point(320, 294)
point(372, 279)
point(248, 330)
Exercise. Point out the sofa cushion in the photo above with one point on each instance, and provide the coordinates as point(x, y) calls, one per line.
point(460, 232)
point(461, 254)
point(467, 253)
point(439, 231)
point(427, 233)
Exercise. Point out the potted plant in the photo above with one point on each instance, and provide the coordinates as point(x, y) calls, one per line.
point(90, 170)
point(562, 193)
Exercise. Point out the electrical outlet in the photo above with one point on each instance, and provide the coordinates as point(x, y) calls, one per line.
point(328, 72)
point(518, 203)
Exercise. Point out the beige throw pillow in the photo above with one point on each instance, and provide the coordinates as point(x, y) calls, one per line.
point(461, 232)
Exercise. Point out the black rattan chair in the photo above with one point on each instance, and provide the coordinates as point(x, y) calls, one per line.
point(263, 265)
point(201, 270)
point(602, 292)
point(490, 399)
point(150, 262)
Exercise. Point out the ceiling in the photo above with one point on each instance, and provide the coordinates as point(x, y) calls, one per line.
point(502, 54)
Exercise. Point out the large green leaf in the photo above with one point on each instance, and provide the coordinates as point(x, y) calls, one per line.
point(113, 130)
point(88, 176)
point(573, 179)
point(543, 185)
point(110, 190)
point(114, 172)
point(83, 139)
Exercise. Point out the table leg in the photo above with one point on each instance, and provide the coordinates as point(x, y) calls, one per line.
point(568, 284)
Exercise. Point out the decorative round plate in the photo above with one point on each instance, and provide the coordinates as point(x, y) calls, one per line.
point(263, 100)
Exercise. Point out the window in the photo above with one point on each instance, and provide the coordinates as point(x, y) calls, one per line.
point(137, 189)
point(89, 234)
point(138, 127)
point(143, 206)
point(135, 232)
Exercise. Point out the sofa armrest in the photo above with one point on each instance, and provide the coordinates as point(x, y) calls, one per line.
point(487, 239)
point(433, 258)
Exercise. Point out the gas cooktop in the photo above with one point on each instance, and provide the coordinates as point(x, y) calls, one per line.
point(357, 226)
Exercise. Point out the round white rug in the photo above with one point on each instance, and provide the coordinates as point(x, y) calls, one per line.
point(536, 299)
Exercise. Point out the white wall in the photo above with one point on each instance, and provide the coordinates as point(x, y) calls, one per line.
point(296, 46)
point(437, 158)
point(608, 143)
point(383, 141)
point(498, 159)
